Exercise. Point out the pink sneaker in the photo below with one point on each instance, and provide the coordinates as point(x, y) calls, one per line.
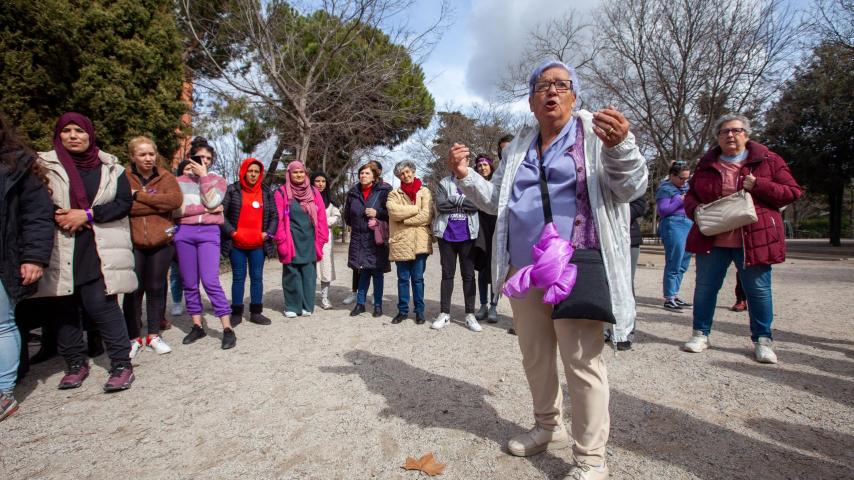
point(74, 376)
point(120, 379)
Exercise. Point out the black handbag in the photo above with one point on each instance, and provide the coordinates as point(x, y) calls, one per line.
point(590, 298)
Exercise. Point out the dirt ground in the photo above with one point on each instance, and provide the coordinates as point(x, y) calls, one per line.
point(333, 397)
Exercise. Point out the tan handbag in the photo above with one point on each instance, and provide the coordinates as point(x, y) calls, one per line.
point(725, 214)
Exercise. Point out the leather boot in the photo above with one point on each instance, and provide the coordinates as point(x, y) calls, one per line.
point(236, 315)
point(255, 315)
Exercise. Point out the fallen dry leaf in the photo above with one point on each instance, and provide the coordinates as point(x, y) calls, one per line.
point(426, 464)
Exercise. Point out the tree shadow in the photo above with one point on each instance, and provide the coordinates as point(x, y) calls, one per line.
point(707, 450)
point(822, 441)
point(457, 405)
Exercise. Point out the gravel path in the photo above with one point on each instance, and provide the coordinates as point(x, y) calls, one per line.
point(331, 397)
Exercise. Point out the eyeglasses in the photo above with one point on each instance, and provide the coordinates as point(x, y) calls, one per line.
point(560, 86)
point(726, 131)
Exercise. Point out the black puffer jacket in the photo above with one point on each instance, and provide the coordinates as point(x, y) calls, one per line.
point(26, 224)
point(231, 205)
point(364, 252)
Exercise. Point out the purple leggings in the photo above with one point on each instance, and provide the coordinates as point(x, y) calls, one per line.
point(197, 247)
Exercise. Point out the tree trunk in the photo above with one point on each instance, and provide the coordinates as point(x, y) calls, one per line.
point(274, 164)
point(834, 200)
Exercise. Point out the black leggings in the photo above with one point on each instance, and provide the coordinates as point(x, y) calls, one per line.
point(151, 267)
point(356, 276)
point(104, 312)
point(448, 253)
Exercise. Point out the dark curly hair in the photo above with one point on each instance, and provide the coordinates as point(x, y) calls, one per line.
point(11, 147)
point(199, 143)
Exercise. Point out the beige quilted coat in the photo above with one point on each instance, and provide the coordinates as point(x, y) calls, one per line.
point(409, 224)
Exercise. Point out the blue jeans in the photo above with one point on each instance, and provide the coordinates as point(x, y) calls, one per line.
point(176, 285)
point(756, 281)
point(365, 276)
point(411, 272)
point(674, 231)
point(10, 343)
point(239, 257)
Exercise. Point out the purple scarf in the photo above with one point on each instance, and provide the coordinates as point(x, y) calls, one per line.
point(86, 160)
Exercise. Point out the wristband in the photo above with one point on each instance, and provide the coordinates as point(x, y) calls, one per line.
point(89, 217)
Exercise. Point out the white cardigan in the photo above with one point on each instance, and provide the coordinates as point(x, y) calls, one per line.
point(615, 176)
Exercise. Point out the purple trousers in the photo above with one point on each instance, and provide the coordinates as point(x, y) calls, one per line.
point(197, 247)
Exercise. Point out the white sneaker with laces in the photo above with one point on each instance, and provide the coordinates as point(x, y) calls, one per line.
point(471, 323)
point(699, 342)
point(537, 440)
point(177, 309)
point(583, 471)
point(350, 299)
point(135, 347)
point(290, 314)
point(764, 351)
point(157, 344)
point(306, 313)
point(325, 303)
point(440, 322)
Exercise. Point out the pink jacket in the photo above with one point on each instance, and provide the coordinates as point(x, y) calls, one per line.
point(283, 238)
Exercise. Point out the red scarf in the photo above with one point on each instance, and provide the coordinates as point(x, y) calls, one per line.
point(366, 190)
point(411, 188)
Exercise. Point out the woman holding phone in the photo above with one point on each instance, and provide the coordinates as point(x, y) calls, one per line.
point(197, 240)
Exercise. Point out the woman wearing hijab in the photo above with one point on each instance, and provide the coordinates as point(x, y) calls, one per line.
point(300, 237)
point(155, 195)
point(92, 259)
point(247, 237)
point(197, 240)
point(333, 216)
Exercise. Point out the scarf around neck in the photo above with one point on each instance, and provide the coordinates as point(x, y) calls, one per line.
point(302, 192)
point(411, 189)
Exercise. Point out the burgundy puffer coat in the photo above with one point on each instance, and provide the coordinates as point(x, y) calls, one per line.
point(764, 241)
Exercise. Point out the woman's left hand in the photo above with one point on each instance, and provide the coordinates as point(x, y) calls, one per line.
point(71, 220)
point(370, 212)
point(749, 181)
point(610, 126)
point(31, 273)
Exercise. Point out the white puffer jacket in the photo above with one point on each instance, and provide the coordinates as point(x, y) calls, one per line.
point(615, 177)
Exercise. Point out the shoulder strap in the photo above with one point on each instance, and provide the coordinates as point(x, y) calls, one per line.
point(544, 188)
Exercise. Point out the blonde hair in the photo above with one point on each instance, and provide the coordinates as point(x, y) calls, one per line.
point(135, 142)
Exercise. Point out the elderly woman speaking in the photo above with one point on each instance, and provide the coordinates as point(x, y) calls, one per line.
point(585, 167)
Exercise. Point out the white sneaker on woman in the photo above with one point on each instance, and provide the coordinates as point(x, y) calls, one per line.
point(157, 344)
point(764, 351)
point(472, 324)
point(135, 347)
point(440, 322)
point(177, 309)
point(699, 342)
point(350, 299)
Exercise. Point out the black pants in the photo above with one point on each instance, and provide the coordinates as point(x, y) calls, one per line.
point(104, 312)
point(151, 268)
point(448, 253)
point(356, 275)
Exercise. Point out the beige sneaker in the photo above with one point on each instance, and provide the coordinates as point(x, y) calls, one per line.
point(582, 471)
point(699, 342)
point(764, 351)
point(537, 440)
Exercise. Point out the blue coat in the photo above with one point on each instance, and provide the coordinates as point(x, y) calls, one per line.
point(364, 252)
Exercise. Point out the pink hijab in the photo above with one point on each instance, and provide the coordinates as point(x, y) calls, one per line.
point(303, 192)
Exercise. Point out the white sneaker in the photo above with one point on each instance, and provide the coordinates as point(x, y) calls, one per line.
point(325, 303)
point(350, 299)
point(698, 342)
point(157, 344)
point(538, 439)
point(135, 347)
point(306, 313)
point(471, 323)
point(764, 351)
point(177, 309)
point(440, 322)
point(290, 314)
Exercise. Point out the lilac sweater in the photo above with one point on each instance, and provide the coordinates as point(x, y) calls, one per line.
point(200, 195)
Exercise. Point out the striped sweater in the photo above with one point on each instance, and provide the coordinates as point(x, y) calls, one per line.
point(202, 200)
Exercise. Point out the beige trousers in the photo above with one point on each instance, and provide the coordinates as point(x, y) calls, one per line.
point(581, 344)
